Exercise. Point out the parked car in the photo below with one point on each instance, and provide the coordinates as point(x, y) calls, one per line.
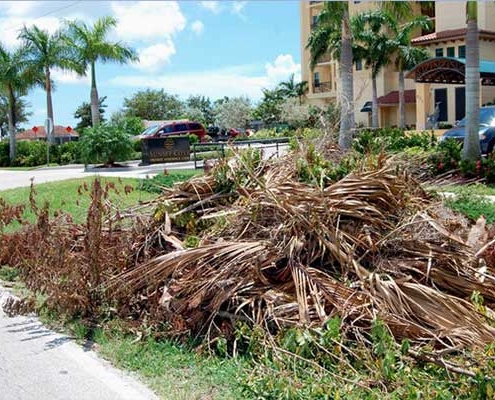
point(218, 134)
point(175, 128)
point(486, 130)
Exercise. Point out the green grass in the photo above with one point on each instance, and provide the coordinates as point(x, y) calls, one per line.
point(155, 184)
point(470, 200)
point(63, 195)
point(173, 371)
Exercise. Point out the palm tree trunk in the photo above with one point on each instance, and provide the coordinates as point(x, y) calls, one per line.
point(374, 106)
point(95, 106)
point(346, 78)
point(49, 105)
point(402, 101)
point(11, 122)
point(471, 150)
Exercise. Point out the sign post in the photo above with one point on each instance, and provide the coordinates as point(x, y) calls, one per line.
point(49, 133)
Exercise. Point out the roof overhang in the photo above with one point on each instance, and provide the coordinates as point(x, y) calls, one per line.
point(449, 70)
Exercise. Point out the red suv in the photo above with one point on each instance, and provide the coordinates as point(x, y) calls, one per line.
point(174, 128)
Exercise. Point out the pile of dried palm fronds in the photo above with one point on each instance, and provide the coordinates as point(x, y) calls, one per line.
point(274, 252)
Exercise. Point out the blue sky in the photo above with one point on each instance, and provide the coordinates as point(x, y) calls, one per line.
point(215, 48)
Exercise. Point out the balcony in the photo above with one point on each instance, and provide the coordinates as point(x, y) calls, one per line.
point(322, 87)
point(326, 58)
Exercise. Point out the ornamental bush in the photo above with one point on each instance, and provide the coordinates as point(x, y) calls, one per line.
point(106, 144)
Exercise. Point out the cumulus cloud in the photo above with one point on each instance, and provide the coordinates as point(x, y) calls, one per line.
point(213, 6)
point(282, 68)
point(153, 57)
point(147, 20)
point(197, 27)
point(69, 77)
point(218, 83)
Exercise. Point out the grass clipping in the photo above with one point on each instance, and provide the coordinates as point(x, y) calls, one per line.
point(277, 252)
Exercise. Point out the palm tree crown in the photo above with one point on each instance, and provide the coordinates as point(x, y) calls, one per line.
point(17, 75)
point(92, 45)
point(47, 51)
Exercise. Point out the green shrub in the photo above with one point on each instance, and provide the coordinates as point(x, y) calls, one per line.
point(158, 182)
point(106, 144)
point(393, 140)
point(4, 153)
point(446, 156)
point(68, 153)
point(30, 153)
point(472, 206)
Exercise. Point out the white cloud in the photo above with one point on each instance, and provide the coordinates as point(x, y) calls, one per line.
point(197, 27)
point(213, 6)
point(282, 68)
point(238, 7)
point(18, 7)
point(153, 57)
point(148, 20)
point(11, 26)
point(218, 83)
point(69, 77)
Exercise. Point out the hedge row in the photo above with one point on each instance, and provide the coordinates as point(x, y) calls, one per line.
point(33, 153)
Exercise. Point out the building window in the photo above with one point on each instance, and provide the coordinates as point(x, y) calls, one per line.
point(314, 21)
point(438, 52)
point(316, 79)
point(461, 52)
point(359, 65)
point(450, 51)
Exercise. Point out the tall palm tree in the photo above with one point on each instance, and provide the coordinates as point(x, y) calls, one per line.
point(48, 51)
point(92, 45)
point(372, 43)
point(333, 35)
point(408, 56)
point(471, 150)
point(17, 75)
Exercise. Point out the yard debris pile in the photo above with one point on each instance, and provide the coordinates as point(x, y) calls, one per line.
point(275, 252)
point(254, 242)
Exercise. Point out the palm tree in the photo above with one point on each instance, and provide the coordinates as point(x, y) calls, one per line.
point(372, 43)
point(333, 35)
point(290, 88)
point(17, 75)
point(471, 150)
point(92, 45)
point(408, 56)
point(48, 51)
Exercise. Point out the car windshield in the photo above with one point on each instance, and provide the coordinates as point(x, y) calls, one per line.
point(487, 118)
point(150, 130)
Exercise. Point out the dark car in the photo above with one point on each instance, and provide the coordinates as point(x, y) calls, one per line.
point(174, 128)
point(486, 130)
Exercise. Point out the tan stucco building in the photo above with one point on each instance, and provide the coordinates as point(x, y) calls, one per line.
point(446, 39)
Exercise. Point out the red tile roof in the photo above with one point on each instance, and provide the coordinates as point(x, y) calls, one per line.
point(451, 34)
point(392, 97)
point(58, 131)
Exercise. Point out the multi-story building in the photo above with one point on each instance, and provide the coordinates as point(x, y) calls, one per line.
point(446, 40)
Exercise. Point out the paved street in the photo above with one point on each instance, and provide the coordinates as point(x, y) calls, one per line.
point(38, 364)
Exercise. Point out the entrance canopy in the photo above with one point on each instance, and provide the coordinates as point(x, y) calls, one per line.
point(450, 70)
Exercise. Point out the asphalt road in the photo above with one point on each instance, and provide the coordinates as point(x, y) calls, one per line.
point(38, 364)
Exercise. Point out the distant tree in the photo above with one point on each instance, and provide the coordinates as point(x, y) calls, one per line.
point(199, 108)
point(48, 51)
point(83, 113)
point(268, 109)
point(17, 76)
point(91, 45)
point(154, 105)
point(233, 113)
point(295, 114)
point(21, 113)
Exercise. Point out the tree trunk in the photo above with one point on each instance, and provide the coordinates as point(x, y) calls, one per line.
point(471, 150)
point(402, 101)
point(374, 106)
point(346, 80)
point(95, 105)
point(11, 122)
point(49, 105)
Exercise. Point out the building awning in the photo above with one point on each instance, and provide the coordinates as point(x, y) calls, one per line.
point(448, 35)
point(450, 70)
point(367, 107)
point(392, 98)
